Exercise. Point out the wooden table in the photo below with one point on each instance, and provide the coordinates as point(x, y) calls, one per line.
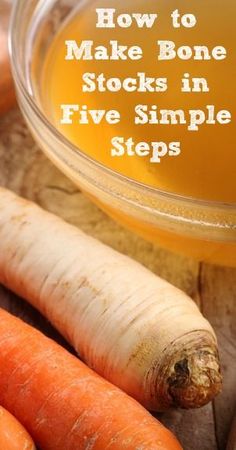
point(25, 170)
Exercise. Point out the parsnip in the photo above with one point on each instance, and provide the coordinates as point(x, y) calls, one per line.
point(132, 327)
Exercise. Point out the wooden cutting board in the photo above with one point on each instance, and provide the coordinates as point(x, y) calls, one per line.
point(25, 170)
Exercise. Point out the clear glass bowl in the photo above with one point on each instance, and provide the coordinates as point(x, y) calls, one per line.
point(205, 230)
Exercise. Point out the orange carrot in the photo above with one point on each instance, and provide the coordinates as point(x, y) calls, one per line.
point(7, 93)
point(12, 434)
point(63, 404)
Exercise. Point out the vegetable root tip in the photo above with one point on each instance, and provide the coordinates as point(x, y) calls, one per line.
point(196, 378)
point(188, 374)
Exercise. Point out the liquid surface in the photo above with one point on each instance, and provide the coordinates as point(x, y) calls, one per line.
point(206, 167)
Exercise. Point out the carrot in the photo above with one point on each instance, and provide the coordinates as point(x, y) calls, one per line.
point(63, 404)
point(7, 93)
point(12, 434)
point(133, 328)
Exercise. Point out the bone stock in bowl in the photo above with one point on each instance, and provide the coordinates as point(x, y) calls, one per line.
point(205, 230)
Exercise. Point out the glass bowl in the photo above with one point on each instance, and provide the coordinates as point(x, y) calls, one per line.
point(201, 229)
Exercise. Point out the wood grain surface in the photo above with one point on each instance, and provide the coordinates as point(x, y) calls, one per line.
point(25, 170)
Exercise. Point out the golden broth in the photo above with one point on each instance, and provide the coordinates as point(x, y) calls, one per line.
point(205, 169)
point(206, 166)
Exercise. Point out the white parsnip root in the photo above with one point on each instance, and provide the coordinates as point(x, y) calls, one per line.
point(132, 327)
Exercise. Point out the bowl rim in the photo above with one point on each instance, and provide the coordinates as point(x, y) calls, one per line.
point(72, 148)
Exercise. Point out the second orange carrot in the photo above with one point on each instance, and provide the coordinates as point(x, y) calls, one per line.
point(63, 404)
